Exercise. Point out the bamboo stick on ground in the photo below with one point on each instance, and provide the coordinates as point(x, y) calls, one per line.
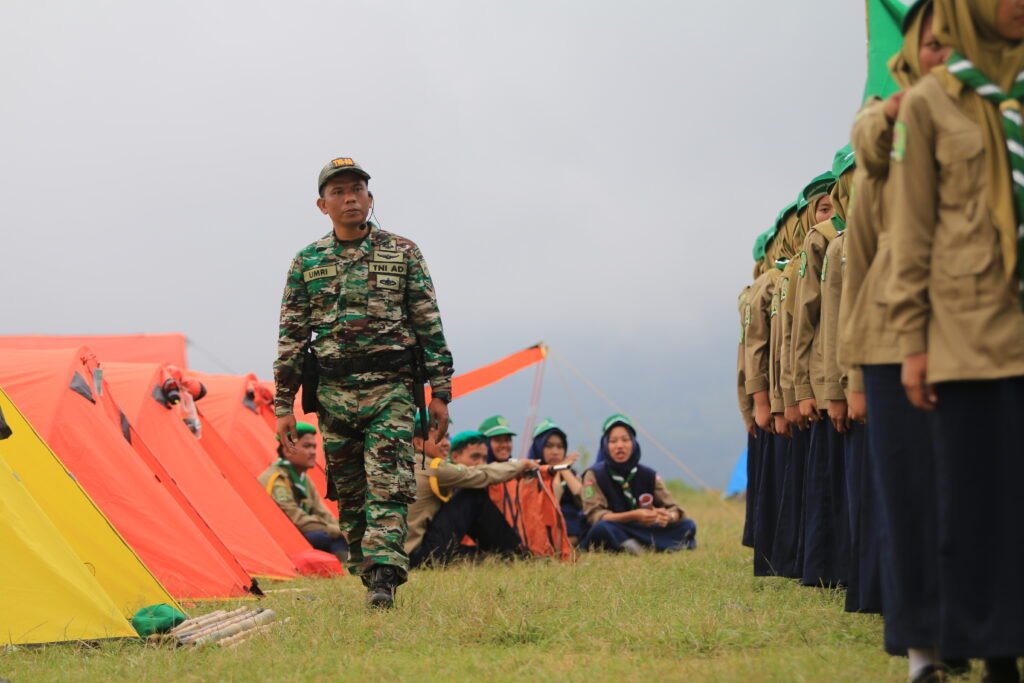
point(263, 617)
point(216, 625)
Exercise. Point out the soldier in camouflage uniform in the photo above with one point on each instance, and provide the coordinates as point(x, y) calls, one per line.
point(366, 299)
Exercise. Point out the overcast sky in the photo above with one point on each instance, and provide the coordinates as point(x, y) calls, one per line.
point(591, 174)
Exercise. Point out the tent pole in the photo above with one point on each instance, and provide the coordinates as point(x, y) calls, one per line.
point(531, 414)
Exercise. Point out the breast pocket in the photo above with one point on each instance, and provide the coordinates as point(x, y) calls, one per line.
point(324, 298)
point(385, 298)
point(961, 159)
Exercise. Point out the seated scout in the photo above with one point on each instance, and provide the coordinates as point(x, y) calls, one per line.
point(499, 438)
point(626, 503)
point(550, 446)
point(452, 502)
point(294, 493)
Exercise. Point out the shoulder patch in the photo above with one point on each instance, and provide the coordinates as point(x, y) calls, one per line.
point(783, 289)
point(824, 267)
point(588, 491)
point(803, 263)
point(319, 273)
point(899, 141)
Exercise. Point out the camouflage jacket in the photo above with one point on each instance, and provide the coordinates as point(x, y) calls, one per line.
point(357, 300)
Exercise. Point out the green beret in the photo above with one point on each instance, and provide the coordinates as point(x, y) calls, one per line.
point(496, 425)
point(466, 438)
point(844, 160)
point(618, 419)
point(301, 428)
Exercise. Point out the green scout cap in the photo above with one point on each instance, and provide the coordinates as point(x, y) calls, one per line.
point(761, 244)
point(820, 185)
point(618, 419)
point(912, 11)
point(496, 425)
point(339, 165)
point(546, 425)
point(786, 210)
point(301, 428)
point(466, 438)
point(844, 160)
point(156, 619)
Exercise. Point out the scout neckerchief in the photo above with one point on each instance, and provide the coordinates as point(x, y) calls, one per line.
point(298, 482)
point(1010, 116)
point(624, 483)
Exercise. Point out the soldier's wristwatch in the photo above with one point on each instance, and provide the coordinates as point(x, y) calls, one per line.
point(443, 395)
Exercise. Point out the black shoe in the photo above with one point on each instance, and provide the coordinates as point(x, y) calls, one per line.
point(1002, 670)
point(380, 593)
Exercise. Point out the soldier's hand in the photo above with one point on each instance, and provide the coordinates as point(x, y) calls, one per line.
point(438, 411)
point(915, 382)
point(858, 406)
point(286, 432)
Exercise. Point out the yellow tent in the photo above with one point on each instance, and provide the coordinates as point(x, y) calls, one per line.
point(49, 595)
point(84, 527)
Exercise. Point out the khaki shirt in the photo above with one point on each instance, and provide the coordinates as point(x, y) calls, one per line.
point(318, 518)
point(746, 403)
point(446, 477)
point(786, 306)
point(865, 335)
point(831, 295)
point(774, 347)
point(949, 292)
point(595, 504)
point(757, 331)
point(808, 359)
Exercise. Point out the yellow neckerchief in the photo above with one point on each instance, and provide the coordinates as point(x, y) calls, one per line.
point(434, 486)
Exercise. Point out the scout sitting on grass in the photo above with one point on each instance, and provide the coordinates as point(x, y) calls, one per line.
point(294, 493)
point(452, 501)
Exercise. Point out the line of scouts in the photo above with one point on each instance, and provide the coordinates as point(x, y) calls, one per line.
point(880, 371)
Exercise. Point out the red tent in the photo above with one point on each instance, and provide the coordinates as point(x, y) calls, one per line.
point(124, 348)
point(63, 394)
point(139, 394)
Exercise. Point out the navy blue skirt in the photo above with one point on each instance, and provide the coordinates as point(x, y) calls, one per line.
point(903, 466)
point(786, 553)
point(864, 582)
point(766, 505)
point(979, 455)
point(752, 456)
point(826, 525)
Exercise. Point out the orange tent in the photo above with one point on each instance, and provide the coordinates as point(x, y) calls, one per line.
point(63, 394)
point(308, 560)
point(124, 348)
point(207, 488)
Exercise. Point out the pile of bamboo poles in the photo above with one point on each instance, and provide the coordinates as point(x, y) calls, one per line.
point(224, 628)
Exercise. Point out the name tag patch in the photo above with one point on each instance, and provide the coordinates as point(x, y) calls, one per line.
point(387, 268)
point(319, 273)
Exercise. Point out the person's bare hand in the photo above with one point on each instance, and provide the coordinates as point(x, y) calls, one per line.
point(763, 417)
point(914, 376)
point(891, 108)
point(528, 465)
point(438, 411)
point(645, 516)
point(286, 432)
point(573, 457)
point(838, 413)
point(857, 406)
point(809, 410)
point(664, 517)
point(792, 415)
point(782, 426)
point(749, 427)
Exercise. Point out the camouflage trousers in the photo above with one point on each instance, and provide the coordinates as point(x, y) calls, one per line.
point(367, 434)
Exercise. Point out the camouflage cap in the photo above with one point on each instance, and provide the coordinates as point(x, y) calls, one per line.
point(339, 165)
point(496, 425)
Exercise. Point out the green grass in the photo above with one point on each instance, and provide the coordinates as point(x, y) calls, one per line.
point(694, 615)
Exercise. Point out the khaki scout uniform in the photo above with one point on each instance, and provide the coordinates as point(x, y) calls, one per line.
point(366, 304)
point(786, 286)
point(808, 357)
point(436, 484)
point(746, 403)
point(304, 508)
point(950, 293)
point(595, 504)
point(866, 336)
point(757, 332)
point(834, 379)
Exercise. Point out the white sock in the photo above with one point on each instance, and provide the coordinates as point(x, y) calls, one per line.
point(919, 659)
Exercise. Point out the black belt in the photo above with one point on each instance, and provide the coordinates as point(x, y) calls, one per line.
point(385, 361)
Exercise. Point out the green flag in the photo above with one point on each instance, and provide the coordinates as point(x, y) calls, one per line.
point(884, 40)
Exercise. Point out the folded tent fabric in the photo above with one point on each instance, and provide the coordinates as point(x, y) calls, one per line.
point(49, 593)
point(62, 393)
point(116, 567)
point(137, 386)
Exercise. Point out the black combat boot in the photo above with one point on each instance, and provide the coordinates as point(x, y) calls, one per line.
point(380, 592)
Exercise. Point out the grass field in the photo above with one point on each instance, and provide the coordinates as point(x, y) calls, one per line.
point(698, 616)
